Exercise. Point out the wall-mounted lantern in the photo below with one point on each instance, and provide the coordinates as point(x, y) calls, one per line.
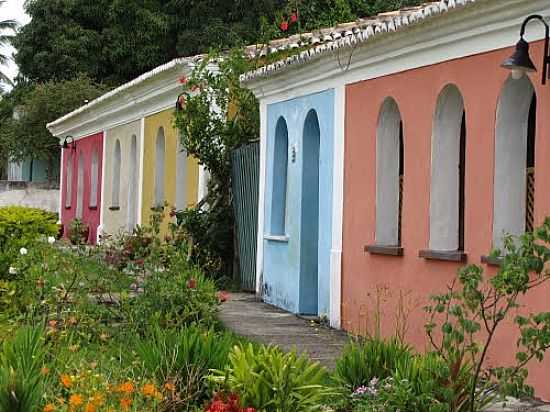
point(520, 63)
point(69, 143)
point(180, 102)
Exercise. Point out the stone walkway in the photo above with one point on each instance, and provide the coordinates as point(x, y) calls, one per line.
point(260, 322)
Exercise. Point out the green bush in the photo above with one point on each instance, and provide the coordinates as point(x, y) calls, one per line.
point(21, 381)
point(184, 358)
point(420, 383)
point(365, 360)
point(174, 296)
point(272, 381)
point(21, 227)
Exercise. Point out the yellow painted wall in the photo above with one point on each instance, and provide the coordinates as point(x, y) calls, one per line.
point(192, 182)
point(152, 125)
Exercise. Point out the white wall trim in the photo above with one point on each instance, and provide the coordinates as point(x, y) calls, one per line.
point(337, 207)
point(141, 164)
point(261, 198)
point(61, 183)
point(486, 26)
point(103, 202)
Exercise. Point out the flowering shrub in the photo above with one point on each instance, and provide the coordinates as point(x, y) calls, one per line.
point(90, 390)
point(21, 227)
point(227, 403)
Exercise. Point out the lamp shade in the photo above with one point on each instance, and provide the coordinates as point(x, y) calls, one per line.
point(520, 60)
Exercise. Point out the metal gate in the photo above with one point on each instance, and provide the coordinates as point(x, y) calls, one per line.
point(245, 185)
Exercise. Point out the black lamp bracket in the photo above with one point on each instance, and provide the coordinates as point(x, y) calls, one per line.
point(178, 104)
point(69, 142)
point(546, 63)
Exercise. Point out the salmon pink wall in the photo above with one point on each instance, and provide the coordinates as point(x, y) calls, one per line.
point(84, 147)
point(393, 289)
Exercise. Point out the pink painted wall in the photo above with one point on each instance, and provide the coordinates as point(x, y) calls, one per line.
point(84, 147)
point(401, 285)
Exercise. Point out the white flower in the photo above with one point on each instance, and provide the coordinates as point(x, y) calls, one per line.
point(51, 240)
point(23, 251)
point(12, 270)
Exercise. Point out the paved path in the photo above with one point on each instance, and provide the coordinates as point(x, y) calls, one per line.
point(248, 317)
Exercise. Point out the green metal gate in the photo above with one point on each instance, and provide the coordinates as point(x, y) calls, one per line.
point(246, 170)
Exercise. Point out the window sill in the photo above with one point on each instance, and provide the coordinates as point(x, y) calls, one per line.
point(384, 250)
point(444, 255)
point(92, 208)
point(491, 260)
point(277, 238)
point(114, 208)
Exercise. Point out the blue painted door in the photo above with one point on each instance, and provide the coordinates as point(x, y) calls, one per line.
point(309, 236)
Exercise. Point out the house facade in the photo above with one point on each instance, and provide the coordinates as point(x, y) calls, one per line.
point(437, 152)
point(123, 156)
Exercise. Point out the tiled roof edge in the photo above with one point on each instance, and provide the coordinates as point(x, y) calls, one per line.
point(182, 61)
point(343, 35)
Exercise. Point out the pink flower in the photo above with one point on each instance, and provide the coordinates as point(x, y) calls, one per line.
point(293, 17)
point(223, 296)
point(284, 25)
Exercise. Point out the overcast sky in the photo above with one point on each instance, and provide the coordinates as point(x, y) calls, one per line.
point(13, 9)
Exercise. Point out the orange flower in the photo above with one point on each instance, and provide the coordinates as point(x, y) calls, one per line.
point(66, 381)
point(126, 387)
point(125, 403)
point(169, 386)
point(90, 407)
point(96, 399)
point(49, 407)
point(44, 371)
point(149, 390)
point(75, 400)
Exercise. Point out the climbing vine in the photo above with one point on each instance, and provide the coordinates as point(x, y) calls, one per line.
point(215, 115)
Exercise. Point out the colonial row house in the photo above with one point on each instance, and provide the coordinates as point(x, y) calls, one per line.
point(121, 155)
point(393, 151)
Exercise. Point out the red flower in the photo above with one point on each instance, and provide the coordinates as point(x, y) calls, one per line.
point(192, 283)
point(249, 409)
point(293, 17)
point(284, 25)
point(183, 79)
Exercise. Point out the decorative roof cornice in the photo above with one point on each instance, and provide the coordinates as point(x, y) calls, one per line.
point(344, 35)
point(103, 105)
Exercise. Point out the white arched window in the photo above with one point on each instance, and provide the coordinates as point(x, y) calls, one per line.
point(115, 185)
point(389, 174)
point(80, 186)
point(69, 181)
point(181, 175)
point(132, 184)
point(280, 166)
point(447, 177)
point(94, 176)
point(160, 147)
point(514, 159)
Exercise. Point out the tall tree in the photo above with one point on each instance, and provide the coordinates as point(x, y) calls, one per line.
point(116, 40)
point(24, 135)
point(6, 34)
